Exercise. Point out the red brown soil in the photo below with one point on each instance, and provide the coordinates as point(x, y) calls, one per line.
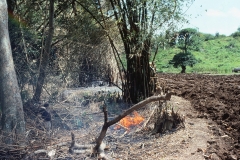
point(215, 97)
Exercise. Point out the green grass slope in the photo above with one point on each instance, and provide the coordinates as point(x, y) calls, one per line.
point(218, 56)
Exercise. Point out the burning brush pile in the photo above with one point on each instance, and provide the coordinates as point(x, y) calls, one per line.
point(130, 121)
point(163, 119)
point(94, 129)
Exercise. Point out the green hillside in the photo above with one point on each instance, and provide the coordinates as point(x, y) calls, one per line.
point(218, 56)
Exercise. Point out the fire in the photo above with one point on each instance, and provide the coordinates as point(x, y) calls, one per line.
point(129, 121)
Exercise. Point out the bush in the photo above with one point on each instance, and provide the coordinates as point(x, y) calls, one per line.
point(235, 34)
point(207, 37)
point(183, 59)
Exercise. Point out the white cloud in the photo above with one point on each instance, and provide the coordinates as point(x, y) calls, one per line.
point(231, 13)
point(212, 16)
point(215, 13)
point(234, 12)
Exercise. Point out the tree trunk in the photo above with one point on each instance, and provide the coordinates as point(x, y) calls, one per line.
point(12, 122)
point(45, 56)
point(183, 69)
point(138, 78)
point(136, 33)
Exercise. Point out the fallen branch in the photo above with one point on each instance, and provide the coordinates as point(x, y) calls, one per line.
point(107, 123)
point(77, 148)
point(50, 153)
point(40, 151)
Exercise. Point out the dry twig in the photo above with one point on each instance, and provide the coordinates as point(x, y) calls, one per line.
point(127, 112)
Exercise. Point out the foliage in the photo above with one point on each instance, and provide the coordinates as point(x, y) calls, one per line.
point(188, 39)
point(137, 21)
point(207, 37)
point(77, 39)
point(215, 57)
point(235, 34)
point(26, 53)
point(183, 59)
point(238, 29)
point(84, 33)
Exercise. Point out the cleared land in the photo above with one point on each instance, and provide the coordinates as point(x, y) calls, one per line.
point(215, 97)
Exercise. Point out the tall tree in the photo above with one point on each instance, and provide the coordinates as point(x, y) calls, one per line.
point(183, 60)
point(137, 21)
point(45, 54)
point(187, 40)
point(12, 121)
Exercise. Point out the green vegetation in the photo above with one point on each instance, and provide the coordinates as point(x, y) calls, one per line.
point(183, 60)
point(187, 40)
point(218, 55)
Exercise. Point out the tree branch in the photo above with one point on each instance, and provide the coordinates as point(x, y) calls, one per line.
point(141, 104)
point(85, 8)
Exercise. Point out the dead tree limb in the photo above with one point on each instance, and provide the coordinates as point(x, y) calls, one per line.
point(107, 123)
point(77, 148)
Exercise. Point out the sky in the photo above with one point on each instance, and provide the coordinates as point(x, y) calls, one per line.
point(212, 16)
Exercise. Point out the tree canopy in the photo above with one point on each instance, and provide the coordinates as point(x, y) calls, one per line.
point(137, 22)
point(183, 60)
point(83, 34)
point(187, 40)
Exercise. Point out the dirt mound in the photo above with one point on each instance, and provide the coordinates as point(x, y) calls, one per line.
point(216, 97)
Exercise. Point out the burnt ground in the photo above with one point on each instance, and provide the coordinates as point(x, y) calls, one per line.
point(209, 105)
point(215, 97)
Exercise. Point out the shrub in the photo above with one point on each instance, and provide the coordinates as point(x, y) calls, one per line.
point(208, 37)
point(182, 60)
point(235, 34)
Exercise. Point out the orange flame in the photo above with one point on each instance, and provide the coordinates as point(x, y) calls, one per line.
point(129, 121)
